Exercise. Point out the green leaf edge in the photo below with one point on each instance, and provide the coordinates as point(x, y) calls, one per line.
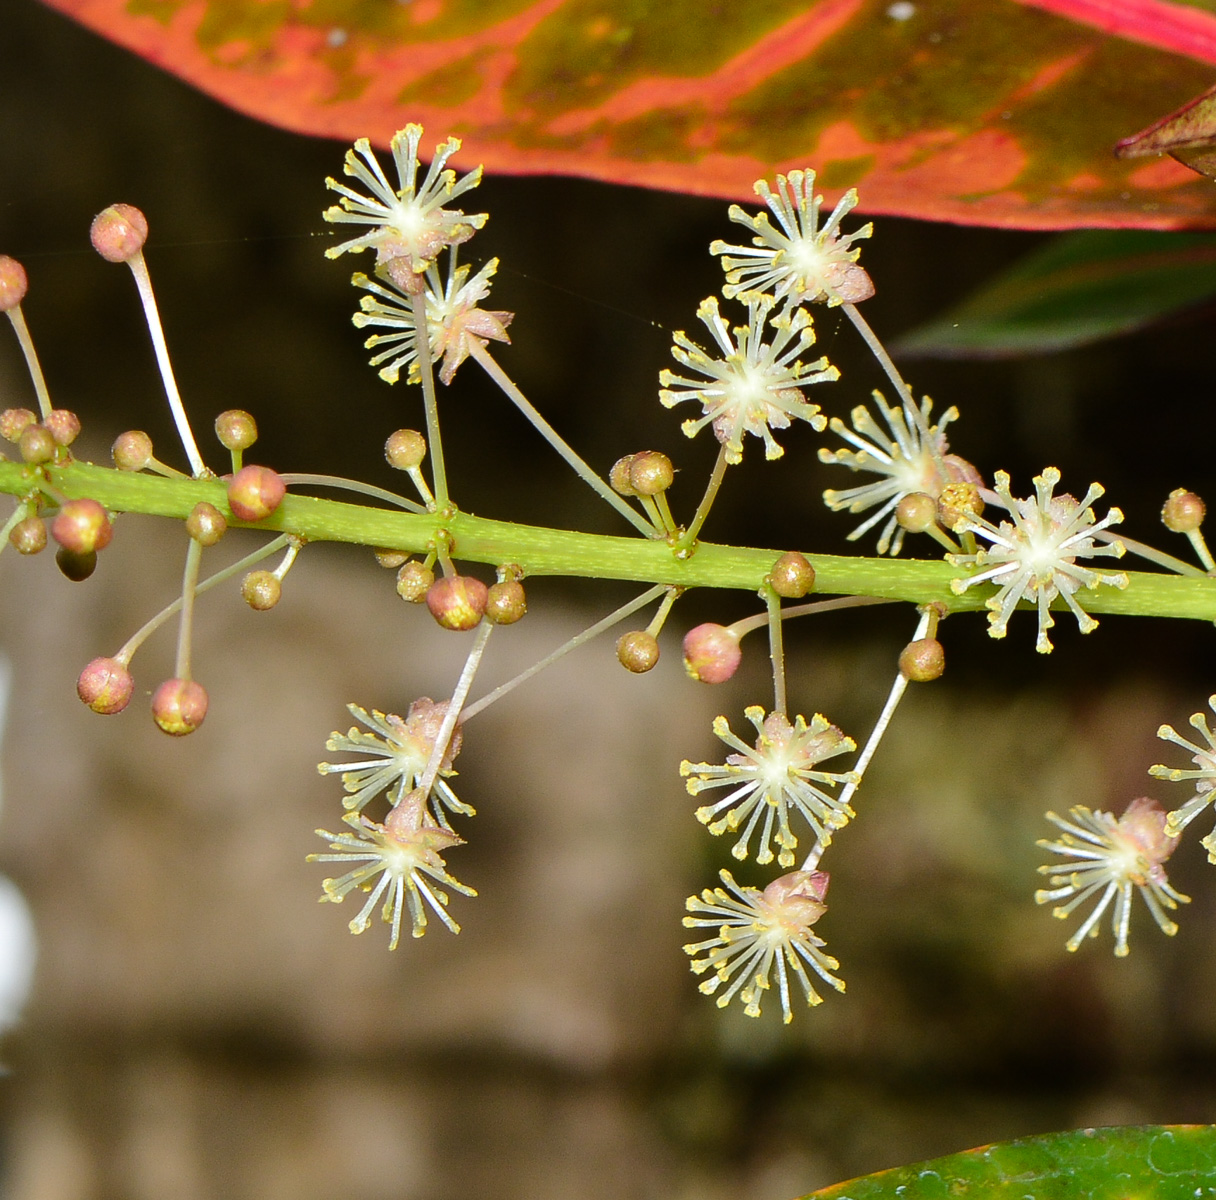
point(1147, 1162)
point(1080, 288)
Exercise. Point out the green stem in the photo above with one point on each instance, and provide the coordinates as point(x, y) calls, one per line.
point(185, 628)
point(422, 344)
point(543, 551)
point(31, 359)
point(688, 540)
point(143, 283)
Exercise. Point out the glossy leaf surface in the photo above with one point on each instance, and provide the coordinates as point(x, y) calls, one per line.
point(998, 113)
point(1147, 1162)
point(1081, 288)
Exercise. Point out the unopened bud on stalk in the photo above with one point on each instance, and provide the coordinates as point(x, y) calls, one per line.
point(405, 449)
point(64, 426)
point(1183, 512)
point(179, 706)
point(255, 492)
point(619, 476)
point(28, 536)
point(105, 685)
point(82, 526)
point(118, 233)
point(36, 444)
point(457, 602)
point(236, 429)
point(506, 602)
point(637, 651)
point(132, 451)
point(917, 512)
point(792, 576)
point(206, 524)
point(14, 283)
point(923, 660)
point(261, 590)
point(414, 581)
point(14, 422)
point(711, 653)
point(650, 473)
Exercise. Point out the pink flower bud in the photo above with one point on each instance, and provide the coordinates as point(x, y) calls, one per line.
point(13, 283)
point(711, 653)
point(457, 601)
point(82, 527)
point(14, 422)
point(64, 426)
point(132, 451)
point(105, 685)
point(179, 706)
point(118, 233)
point(255, 492)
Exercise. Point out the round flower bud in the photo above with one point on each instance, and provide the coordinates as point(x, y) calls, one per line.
point(619, 476)
point(179, 706)
point(792, 576)
point(36, 444)
point(118, 233)
point(650, 473)
point(1183, 512)
point(261, 590)
point(76, 567)
point(132, 451)
point(64, 426)
point(13, 283)
point(392, 559)
point(28, 536)
point(105, 685)
point(255, 492)
point(236, 429)
point(957, 502)
point(82, 526)
point(414, 581)
point(917, 512)
point(206, 524)
point(922, 661)
point(505, 602)
point(712, 653)
point(457, 601)
point(14, 422)
point(405, 449)
point(638, 651)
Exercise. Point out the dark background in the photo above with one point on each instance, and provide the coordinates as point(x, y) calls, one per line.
point(150, 1061)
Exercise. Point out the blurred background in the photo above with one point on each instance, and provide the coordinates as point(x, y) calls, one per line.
point(200, 1027)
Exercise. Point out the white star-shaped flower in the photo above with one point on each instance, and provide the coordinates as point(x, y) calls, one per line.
point(759, 932)
point(1110, 857)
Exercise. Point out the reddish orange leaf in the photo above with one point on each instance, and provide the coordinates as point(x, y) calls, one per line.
point(1000, 113)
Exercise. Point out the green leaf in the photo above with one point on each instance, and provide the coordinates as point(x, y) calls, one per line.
point(1080, 288)
point(1147, 1162)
